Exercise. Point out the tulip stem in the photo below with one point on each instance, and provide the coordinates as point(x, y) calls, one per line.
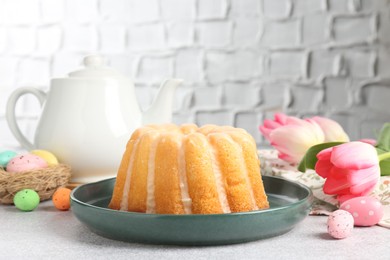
point(384, 156)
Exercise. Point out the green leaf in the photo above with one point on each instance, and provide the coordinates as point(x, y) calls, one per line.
point(385, 167)
point(380, 151)
point(384, 138)
point(384, 164)
point(310, 159)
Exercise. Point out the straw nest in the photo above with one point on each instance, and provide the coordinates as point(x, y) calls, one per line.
point(44, 181)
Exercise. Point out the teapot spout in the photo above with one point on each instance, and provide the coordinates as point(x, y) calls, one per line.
point(161, 109)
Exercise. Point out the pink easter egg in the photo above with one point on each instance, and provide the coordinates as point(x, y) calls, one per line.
point(366, 211)
point(25, 162)
point(340, 224)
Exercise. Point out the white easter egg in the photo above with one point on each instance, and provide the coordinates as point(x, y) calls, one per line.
point(366, 211)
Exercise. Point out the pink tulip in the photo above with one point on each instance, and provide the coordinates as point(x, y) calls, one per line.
point(293, 140)
point(280, 120)
point(351, 169)
point(368, 141)
point(332, 130)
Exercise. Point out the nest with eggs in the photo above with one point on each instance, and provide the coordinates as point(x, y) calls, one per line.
point(44, 181)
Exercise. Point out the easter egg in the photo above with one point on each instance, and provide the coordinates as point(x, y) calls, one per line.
point(46, 155)
point(25, 162)
point(61, 198)
point(340, 224)
point(5, 157)
point(26, 200)
point(366, 211)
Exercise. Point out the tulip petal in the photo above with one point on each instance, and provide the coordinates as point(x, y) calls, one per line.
point(336, 181)
point(325, 154)
point(268, 126)
point(281, 118)
point(369, 187)
point(294, 121)
point(265, 131)
point(354, 155)
point(288, 158)
point(363, 188)
point(293, 140)
point(315, 129)
point(323, 168)
point(356, 177)
point(330, 184)
point(364, 180)
point(271, 124)
point(291, 136)
point(332, 130)
point(368, 141)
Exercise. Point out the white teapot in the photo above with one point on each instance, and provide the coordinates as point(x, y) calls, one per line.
point(88, 118)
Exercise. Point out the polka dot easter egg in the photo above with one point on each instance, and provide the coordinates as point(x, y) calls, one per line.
point(366, 211)
point(26, 200)
point(5, 157)
point(340, 224)
point(25, 162)
point(61, 198)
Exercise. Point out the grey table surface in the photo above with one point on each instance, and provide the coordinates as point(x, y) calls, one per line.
point(47, 233)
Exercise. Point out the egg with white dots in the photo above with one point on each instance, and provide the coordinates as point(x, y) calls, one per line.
point(366, 211)
point(340, 224)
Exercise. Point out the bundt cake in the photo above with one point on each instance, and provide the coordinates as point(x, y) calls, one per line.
point(170, 169)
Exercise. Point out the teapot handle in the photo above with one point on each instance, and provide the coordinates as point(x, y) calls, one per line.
point(11, 117)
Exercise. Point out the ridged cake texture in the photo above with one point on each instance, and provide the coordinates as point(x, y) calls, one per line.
point(170, 169)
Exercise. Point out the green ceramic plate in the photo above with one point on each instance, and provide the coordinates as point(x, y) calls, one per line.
point(289, 204)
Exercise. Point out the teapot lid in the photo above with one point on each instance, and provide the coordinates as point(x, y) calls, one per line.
point(95, 68)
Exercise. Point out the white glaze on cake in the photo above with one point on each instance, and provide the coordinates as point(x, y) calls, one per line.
point(125, 197)
point(218, 181)
point(185, 197)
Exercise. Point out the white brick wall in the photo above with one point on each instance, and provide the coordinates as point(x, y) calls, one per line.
point(337, 96)
point(33, 71)
point(112, 38)
point(215, 34)
point(191, 71)
point(313, 29)
point(80, 38)
point(178, 10)
point(154, 68)
point(52, 11)
point(288, 64)
point(239, 65)
point(353, 29)
point(209, 10)
point(277, 9)
point(241, 60)
point(246, 32)
point(147, 37)
point(49, 40)
point(20, 40)
point(180, 34)
point(141, 11)
point(208, 97)
point(281, 34)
